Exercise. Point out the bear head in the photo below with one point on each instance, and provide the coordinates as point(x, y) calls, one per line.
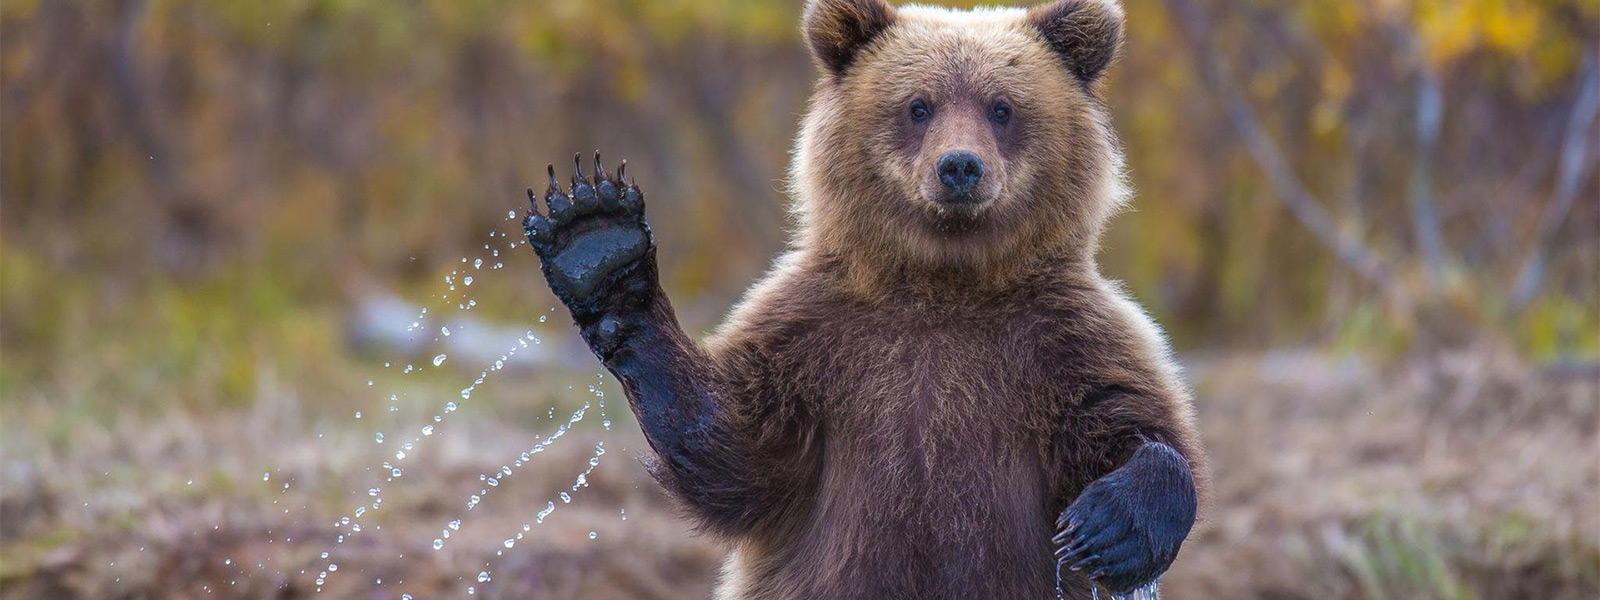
point(967, 140)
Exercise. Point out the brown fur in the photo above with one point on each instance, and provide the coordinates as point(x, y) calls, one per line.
point(918, 394)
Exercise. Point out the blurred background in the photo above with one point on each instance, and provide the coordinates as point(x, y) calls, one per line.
point(240, 241)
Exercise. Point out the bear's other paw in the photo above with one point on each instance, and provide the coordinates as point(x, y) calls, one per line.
point(1125, 529)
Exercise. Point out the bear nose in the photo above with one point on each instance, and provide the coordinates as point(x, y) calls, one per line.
point(960, 170)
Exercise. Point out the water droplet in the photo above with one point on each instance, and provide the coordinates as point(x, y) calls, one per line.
point(476, 264)
point(427, 430)
point(548, 508)
point(438, 360)
point(324, 554)
point(227, 561)
point(332, 567)
point(450, 407)
point(437, 543)
point(565, 498)
point(266, 475)
point(483, 576)
point(378, 437)
point(511, 541)
point(466, 280)
point(444, 331)
point(373, 491)
point(592, 535)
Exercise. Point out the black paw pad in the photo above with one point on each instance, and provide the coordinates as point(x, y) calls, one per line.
point(593, 233)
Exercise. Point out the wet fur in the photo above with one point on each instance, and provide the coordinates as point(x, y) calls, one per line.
point(946, 437)
point(907, 403)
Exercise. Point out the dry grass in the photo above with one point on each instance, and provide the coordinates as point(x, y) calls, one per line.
point(1472, 478)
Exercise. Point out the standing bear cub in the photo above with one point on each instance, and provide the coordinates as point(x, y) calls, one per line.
point(934, 393)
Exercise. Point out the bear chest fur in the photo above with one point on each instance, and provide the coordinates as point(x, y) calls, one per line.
point(936, 429)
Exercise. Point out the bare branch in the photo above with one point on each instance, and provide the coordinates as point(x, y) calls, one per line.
point(1269, 157)
point(1429, 114)
point(1576, 161)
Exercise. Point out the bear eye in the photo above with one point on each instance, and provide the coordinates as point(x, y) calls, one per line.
point(1000, 113)
point(920, 111)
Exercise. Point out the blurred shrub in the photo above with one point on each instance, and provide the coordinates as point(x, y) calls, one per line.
point(192, 183)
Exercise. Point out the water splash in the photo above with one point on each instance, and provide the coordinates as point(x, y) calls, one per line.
point(459, 294)
point(474, 500)
point(1149, 591)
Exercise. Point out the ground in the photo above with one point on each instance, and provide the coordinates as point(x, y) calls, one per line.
point(1472, 475)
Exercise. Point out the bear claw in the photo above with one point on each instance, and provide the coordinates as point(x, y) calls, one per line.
point(592, 236)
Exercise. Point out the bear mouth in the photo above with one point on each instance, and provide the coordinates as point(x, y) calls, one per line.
point(968, 200)
point(956, 219)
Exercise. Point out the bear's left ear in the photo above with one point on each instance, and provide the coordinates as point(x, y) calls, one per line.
point(837, 30)
point(1086, 33)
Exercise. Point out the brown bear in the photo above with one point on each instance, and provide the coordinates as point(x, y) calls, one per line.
point(934, 393)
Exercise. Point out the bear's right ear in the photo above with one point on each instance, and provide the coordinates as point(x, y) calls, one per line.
point(837, 30)
point(1086, 33)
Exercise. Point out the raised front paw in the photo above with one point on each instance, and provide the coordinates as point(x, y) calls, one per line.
point(596, 248)
point(1125, 528)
